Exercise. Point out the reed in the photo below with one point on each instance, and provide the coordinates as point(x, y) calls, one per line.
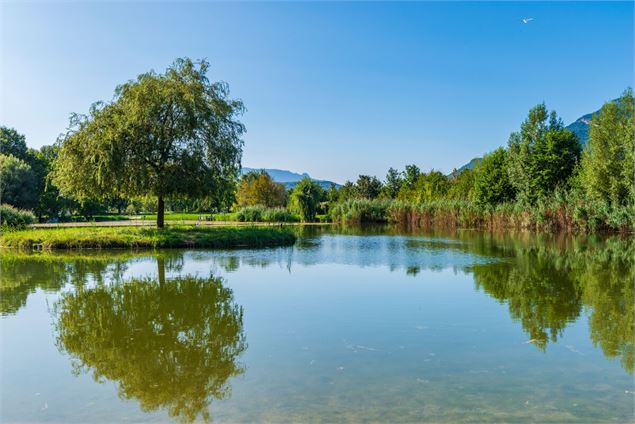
point(561, 213)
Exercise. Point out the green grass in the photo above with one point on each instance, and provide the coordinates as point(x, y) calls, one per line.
point(140, 237)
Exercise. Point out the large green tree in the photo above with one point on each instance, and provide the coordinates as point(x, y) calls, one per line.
point(17, 183)
point(367, 187)
point(12, 143)
point(491, 179)
point(608, 160)
point(168, 135)
point(461, 185)
point(49, 201)
point(542, 155)
point(393, 182)
point(258, 188)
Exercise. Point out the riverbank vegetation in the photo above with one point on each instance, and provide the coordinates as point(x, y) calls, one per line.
point(149, 151)
point(145, 237)
point(543, 180)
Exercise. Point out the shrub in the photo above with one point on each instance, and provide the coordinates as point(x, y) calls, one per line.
point(263, 214)
point(360, 211)
point(13, 218)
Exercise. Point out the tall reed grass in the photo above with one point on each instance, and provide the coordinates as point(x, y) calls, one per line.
point(560, 212)
point(263, 214)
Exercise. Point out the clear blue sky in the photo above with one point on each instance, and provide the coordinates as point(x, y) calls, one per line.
point(332, 89)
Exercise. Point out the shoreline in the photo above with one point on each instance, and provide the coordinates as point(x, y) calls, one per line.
point(143, 237)
point(168, 223)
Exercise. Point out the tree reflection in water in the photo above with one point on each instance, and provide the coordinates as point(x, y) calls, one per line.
point(548, 285)
point(170, 345)
point(546, 282)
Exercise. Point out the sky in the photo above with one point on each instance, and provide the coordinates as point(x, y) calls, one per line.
point(334, 89)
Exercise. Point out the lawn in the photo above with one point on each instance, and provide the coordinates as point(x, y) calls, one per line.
point(145, 237)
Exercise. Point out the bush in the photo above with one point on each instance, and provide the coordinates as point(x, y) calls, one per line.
point(263, 214)
point(360, 211)
point(13, 218)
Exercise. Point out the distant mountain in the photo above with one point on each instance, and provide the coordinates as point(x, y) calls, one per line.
point(579, 127)
point(470, 165)
point(289, 178)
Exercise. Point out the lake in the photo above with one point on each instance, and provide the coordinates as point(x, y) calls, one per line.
point(350, 324)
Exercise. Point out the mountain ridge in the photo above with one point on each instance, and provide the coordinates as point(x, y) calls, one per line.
point(289, 178)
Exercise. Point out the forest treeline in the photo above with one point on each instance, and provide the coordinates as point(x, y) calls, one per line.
point(172, 142)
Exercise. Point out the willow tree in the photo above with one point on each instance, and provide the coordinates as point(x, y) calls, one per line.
point(169, 135)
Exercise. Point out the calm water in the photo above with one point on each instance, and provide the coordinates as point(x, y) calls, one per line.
point(347, 325)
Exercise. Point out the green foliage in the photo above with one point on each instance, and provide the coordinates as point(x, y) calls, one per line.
point(542, 156)
point(608, 161)
point(332, 194)
point(360, 211)
point(258, 188)
point(561, 212)
point(462, 185)
point(347, 191)
point(13, 218)
point(263, 214)
point(367, 187)
point(491, 180)
point(305, 199)
point(49, 203)
point(169, 135)
point(430, 186)
point(393, 182)
point(145, 237)
point(17, 183)
point(12, 143)
point(410, 176)
point(426, 187)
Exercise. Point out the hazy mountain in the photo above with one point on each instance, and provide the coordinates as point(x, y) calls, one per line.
point(289, 178)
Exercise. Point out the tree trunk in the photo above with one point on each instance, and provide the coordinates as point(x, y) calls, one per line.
point(160, 212)
point(161, 270)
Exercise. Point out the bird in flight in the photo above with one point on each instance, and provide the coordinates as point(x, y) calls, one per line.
point(527, 20)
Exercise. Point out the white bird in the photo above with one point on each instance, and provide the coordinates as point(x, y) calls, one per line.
point(527, 20)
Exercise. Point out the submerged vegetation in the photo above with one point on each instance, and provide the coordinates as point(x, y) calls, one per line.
point(140, 237)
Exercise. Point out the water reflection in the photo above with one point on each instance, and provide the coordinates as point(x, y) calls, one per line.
point(170, 345)
point(546, 282)
point(21, 274)
point(547, 286)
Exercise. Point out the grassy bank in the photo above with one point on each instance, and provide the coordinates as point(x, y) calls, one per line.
point(558, 213)
point(140, 237)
